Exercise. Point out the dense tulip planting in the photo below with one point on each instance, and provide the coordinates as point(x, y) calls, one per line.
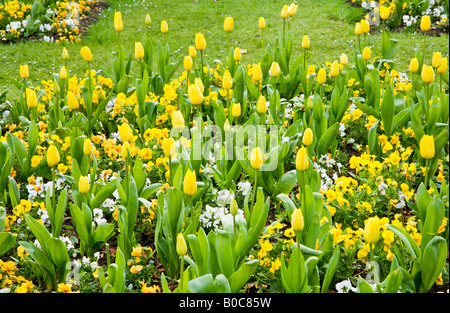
point(278, 176)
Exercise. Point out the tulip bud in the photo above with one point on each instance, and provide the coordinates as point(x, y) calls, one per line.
point(125, 132)
point(56, 89)
point(148, 19)
point(292, 9)
point(65, 54)
point(384, 12)
point(234, 207)
point(257, 73)
point(425, 23)
point(195, 94)
point(24, 71)
point(118, 24)
point(261, 105)
point(366, 53)
point(87, 147)
point(83, 184)
point(305, 42)
point(321, 76)
point(200, 41)
point(427, 149)
point(256, 158)
point(177, 119)
point(139, 52)
point(228, 24)
point(187, 63)
point(334, 69)
point(190, 183)
point(302, 161)
point(168, 146)
point(343, 59)
point(274, 69)
point(181, 245)
point(413, 65)
point(284, 13)
point(72, 101)
point(237, 54)
point(262, 23)
point(31, 98)
point(192, 52)
point(437, 59)
point(226, 125)
point(372, 230)
point(427, 74)
point(86, 54)
point(443, 68)
point(124, 151)
point(358, 29)
point(307, 137)
point(164, 27)
point(227, 81)
point(297, 220)
point(236, 110)
point(52, 156)
point(63, 73)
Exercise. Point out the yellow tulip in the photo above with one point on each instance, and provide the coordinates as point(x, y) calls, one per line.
point(24, 71)
point(200, 41)
point(292, 9)
point(427, 149)
point(305, 42)
point(366, 53)
point(307, 137)
point(358, 29)
point(234, 208)
point(436, 60)
point(52, 156)
point(284, 13)
point(443, 68)
point(297, 220)
point(256, 158)
point(385, 12)
point(228, 24)
point(334, 69)
point(427, 74)
point(261, 105)
point(124, 151)
point(192, 52)
point(181, 245)
point(83, 184)
point(262, 22)
point(425, 23)
point(63, 73)
point(414, 65)
point(343, 59)
point(321, 76)
point(227, 81)
point(168, 146)
point(190, 183)
point(125, 132)
point(274, 69)
point(237, 54)
point(372, 230)
point(177, 119)
point(31, 98)
point(118, 23)
point(87, 146)
point(65, 54)
point(365, 26)
point(86, 54)
point(72, 101)
point(236, 110)
point(257, 73)
point(195, 94)
point(188, 63)
point(302, 161)
point(139, 52)
point(164, 27)
point(148, 19)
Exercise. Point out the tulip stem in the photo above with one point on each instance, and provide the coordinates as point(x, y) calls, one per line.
point(284, 26)
point(424, 46)
point(262, 41)
point(181, 273)
point(170, 170)
point(359, 43)
point(53, 189)
point(372, 259)
point(191, 211)
point(254, 189)
point(427, 175)
point(201, 68)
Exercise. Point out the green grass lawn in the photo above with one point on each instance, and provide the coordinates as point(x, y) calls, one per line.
point(328, 23)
